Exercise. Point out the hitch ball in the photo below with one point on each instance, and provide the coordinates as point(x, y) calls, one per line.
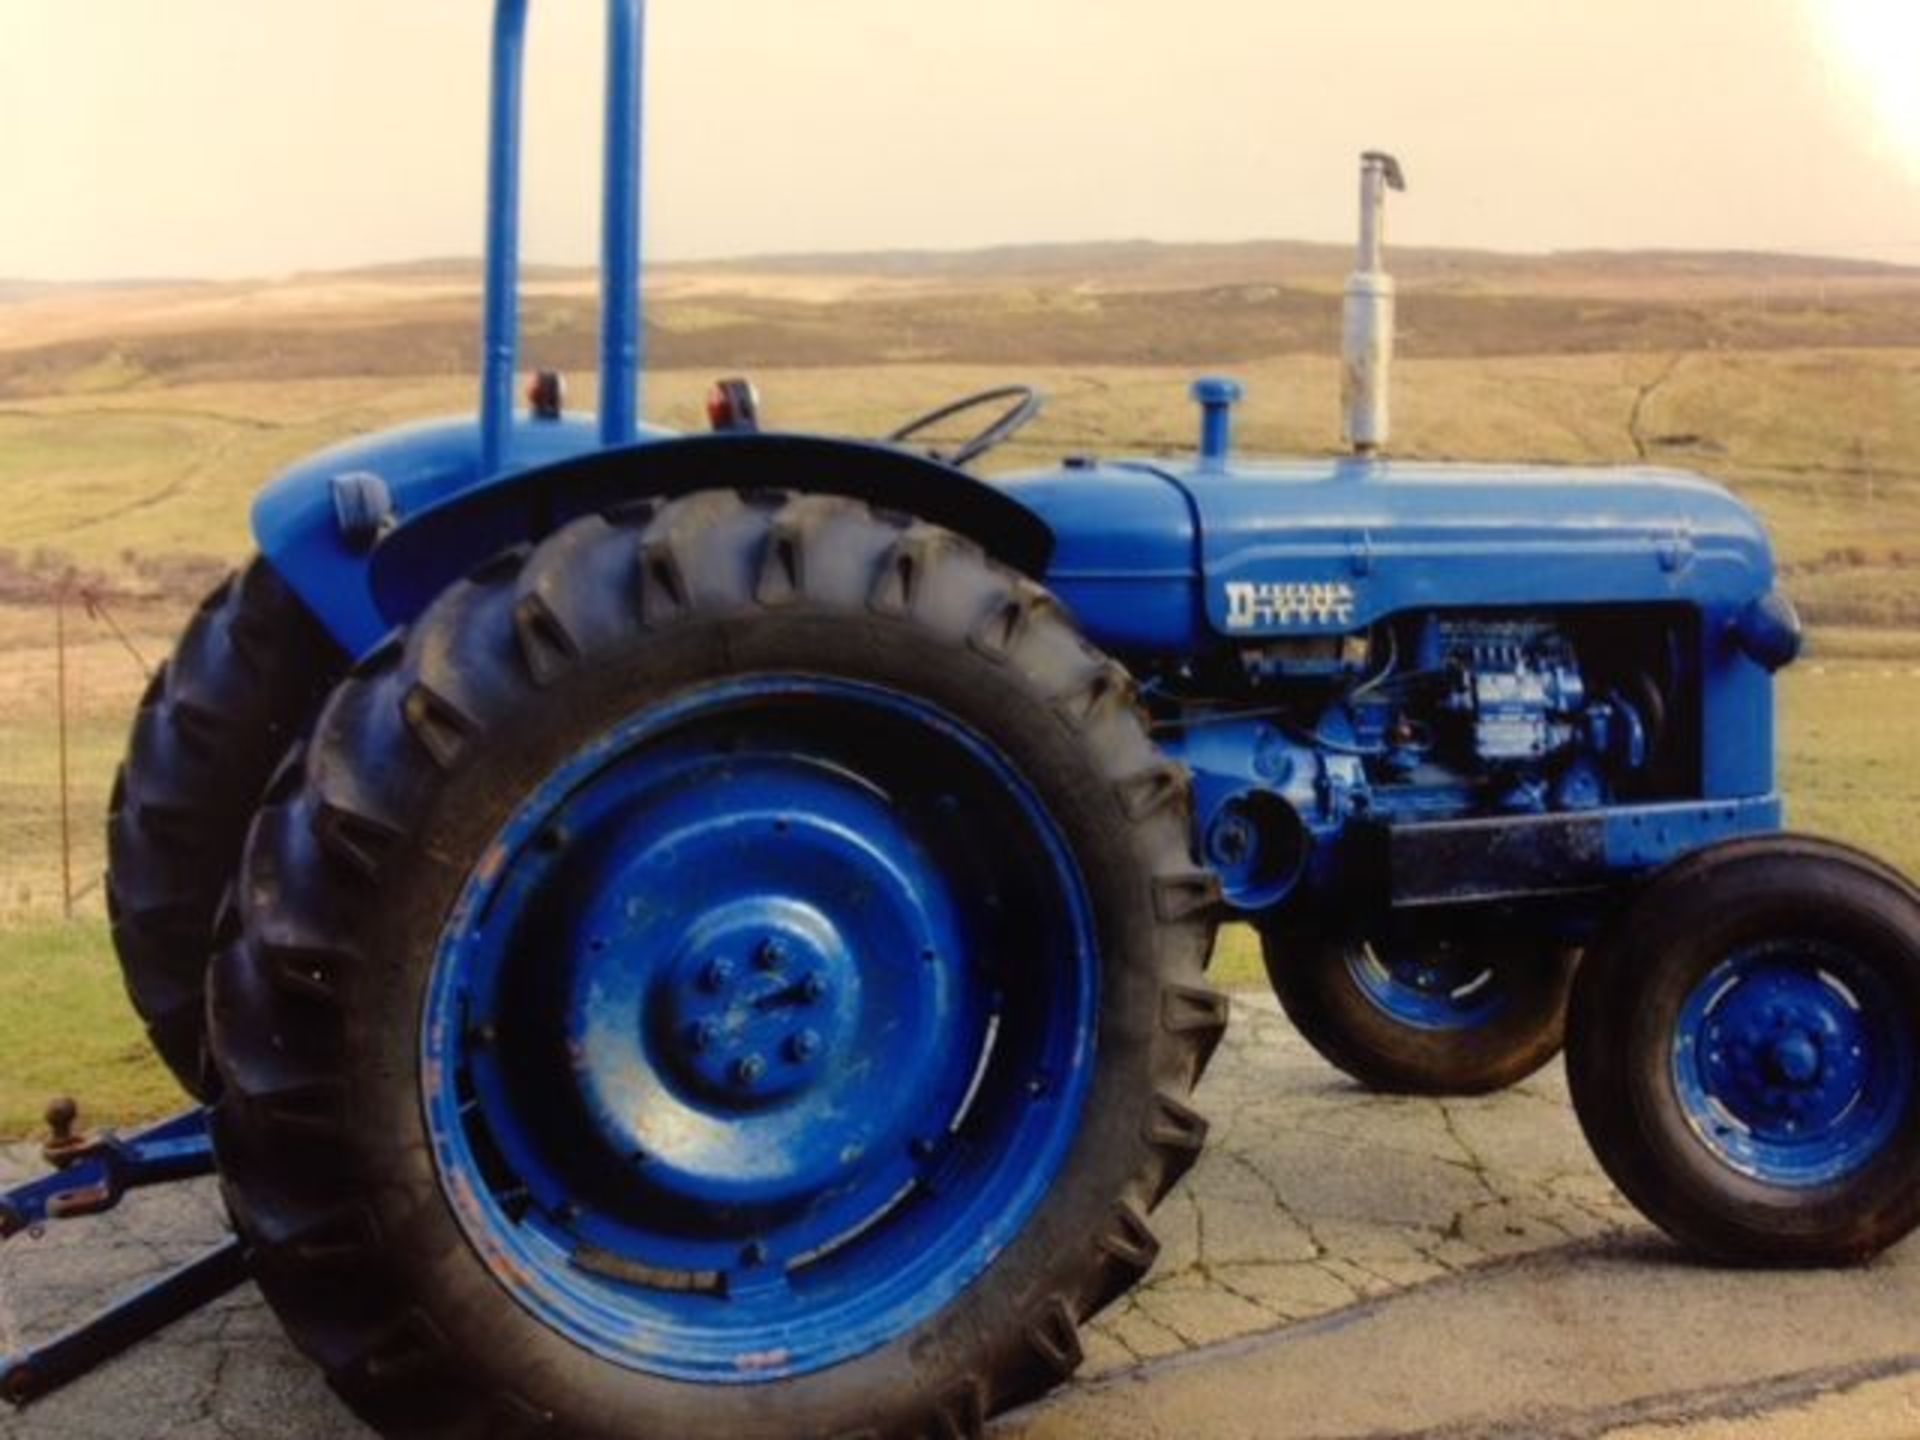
point(64, 1140)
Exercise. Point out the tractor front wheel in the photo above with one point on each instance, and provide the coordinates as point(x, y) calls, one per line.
point(1444, 1014)
point(734, 970)
point(1743, 1049)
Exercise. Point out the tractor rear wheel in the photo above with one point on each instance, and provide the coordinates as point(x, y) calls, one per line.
point(247, 676)
point(1442, 1015)
point(1743, 1049)
point(733, 970)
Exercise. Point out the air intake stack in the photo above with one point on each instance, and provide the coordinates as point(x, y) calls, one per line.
point(1367, 329)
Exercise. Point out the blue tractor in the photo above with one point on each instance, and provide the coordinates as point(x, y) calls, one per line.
point(706, 935)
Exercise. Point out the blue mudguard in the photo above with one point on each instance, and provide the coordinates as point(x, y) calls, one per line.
point(369, 532)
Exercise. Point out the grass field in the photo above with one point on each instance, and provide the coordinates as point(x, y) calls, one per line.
point(65, 1028)
point(135, 426)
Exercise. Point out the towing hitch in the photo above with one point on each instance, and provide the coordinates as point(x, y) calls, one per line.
point(90, 1176)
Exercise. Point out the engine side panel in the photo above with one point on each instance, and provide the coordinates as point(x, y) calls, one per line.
point(1304, 547)
point(1182, 560)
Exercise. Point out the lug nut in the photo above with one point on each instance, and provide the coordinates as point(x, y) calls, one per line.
point(813, 989)
point(748, 1070)
point(717, 974)
point(701, 1035)
point(770, 954)
point(803, 1046)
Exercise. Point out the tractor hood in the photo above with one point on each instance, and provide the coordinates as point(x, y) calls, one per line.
point(1156, 557)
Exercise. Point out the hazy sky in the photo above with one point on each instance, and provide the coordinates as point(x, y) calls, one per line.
point(242, 137)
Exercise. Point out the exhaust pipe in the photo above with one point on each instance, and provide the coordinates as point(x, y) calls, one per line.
point(1367, 320)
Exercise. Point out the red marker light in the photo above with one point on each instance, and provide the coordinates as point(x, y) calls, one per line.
point(733, 407)
point(547, 395)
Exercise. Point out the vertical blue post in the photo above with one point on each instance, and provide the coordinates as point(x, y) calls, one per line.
point(1216, 398)
point(621, 333)
point(502, 326)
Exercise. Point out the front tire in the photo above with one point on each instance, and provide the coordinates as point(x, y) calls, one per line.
point(1439, 1014)
point(1744, 1052)
point(734, 971)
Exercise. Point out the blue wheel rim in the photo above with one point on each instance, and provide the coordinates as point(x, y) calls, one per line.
point(1793, 1063)
point(764, 1025)
point(1442, 985)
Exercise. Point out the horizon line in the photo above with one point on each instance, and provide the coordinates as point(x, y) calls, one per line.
point(788, 258)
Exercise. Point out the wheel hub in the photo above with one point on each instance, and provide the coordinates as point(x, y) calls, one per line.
point(1433, 985)
point(748, 1012)
point(1786, 1048)
point(1794, 1060)
point(1788, 1065)
point(741, 975)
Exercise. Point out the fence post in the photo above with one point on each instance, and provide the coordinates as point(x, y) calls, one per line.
point(60, 686)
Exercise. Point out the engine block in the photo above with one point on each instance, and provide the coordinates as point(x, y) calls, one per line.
point(1434, 717)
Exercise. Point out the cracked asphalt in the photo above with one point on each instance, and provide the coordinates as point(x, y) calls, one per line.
point(1340, 1265)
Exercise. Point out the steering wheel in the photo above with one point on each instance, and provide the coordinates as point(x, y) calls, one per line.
point(1025, 403)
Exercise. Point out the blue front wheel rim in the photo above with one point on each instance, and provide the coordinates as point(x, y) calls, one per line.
point(1437, 985)
point(1794, 1064)
point(762, 1027)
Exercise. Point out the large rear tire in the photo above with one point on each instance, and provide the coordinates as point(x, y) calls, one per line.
point(1445, 1014)
point(248, 675)
point(1744, 1052)
point(735, 970)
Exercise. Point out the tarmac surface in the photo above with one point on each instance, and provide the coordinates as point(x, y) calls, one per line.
point(1340, 1265)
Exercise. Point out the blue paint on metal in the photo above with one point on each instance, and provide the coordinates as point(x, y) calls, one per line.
point(97, 1176)
point(766, 1024)
point(1323, 784)
point(501, 326)
point(621, 334)
point(1795, 1063)
point(1429, 987)
point(1127, 556)
point(296, 524)
point(621, 330)
point(1263, 551)
point(449, 516)
point(1644, 837)
point(1216, 398)
point(1389, 537)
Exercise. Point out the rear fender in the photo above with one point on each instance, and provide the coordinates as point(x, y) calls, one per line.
point(436, 543)
point(301, 520)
